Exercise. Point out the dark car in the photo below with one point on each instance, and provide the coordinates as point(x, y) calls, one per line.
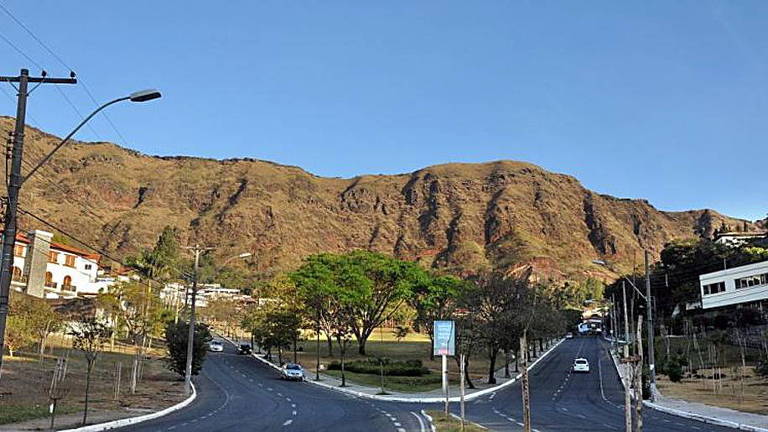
point(244, 349)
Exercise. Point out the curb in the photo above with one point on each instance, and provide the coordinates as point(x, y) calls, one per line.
point(693, 416)
point(433, 399)
point(134, 420)
point(432, 426)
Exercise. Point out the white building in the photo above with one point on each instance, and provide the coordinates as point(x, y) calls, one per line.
point(736, 239)
point(43, 268)
point(738, 285)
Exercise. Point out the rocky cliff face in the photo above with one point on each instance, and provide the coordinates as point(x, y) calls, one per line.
point(465, 217)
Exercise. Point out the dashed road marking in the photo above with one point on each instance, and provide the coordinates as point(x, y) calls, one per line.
point(287, 422)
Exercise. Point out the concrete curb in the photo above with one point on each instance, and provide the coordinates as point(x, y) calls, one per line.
point(429, 418)
point(134, 420)
point(692, 416)
point(424, 399)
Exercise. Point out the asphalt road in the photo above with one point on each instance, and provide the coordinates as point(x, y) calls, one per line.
point(239, 393)
point(564, 401)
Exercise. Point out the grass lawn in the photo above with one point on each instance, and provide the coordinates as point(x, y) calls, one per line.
point(26, 380)
point(383, 344)
point(447, 423)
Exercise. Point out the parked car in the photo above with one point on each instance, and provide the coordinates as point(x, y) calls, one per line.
point(581, 365)
point(292, 371)
point(244, 349)
point(569, 335)
point(215, 346)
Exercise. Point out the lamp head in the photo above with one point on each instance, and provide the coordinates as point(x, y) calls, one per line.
point(144, 95)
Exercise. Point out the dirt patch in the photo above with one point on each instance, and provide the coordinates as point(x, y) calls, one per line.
point(26, 379)
point(751, 397)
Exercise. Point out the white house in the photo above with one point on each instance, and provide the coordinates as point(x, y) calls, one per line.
point(46, 269)
point(738, 285)
point(736, 239)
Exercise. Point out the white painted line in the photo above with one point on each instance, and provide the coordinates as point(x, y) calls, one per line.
point(287, 422)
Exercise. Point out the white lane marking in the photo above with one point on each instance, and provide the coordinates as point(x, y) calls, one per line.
point(288, 399)
point(493, 395)
point(294, 412)
point(397, 424)
point(293, 405)
point(287, 422)
point(422, 427)
point(280, 394)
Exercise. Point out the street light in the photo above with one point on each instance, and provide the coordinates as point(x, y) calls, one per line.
point(139, 96)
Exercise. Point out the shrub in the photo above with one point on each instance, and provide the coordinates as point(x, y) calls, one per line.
point(372, 366)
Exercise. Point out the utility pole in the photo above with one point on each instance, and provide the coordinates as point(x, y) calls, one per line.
point(626, 319)
point(14, 187)
point(649, 312)
point(639, 377)
point(524, 381)
point(197, 250)
point(627, 380)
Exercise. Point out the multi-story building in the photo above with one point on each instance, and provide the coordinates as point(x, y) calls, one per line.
point(746, 284)
point(46, 269)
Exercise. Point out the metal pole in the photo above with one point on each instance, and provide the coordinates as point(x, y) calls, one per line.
point(649, 312)
point(9, 233)
point(317, 345)
point(461, 379)
point(626, 319)
point(445, 381)
point(191, 334)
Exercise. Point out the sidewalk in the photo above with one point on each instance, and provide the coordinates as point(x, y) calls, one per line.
point(699, 411)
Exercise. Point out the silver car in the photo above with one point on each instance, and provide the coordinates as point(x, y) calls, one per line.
point(292, 371)
point(215, 346)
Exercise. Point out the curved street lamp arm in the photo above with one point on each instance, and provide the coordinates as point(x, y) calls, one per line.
point(66, 139)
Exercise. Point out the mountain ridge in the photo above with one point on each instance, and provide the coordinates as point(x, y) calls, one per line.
point(461, 217)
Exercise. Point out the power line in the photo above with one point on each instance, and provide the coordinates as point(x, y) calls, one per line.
point(63, 63)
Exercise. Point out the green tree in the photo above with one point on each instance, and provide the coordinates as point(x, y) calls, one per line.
point(89, 336)
point(176, 337)
point(435, 299)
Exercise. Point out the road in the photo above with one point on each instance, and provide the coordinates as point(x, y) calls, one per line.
point(239, 393)
point(564, 401)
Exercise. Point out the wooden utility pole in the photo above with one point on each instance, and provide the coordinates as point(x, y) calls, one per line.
point(14, 187)
point(524, 383)
point(197, 250)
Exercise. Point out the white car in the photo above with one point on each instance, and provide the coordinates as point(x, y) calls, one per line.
point(581, 365)
point(292, 371)
point(569, 335)
point(215, 346)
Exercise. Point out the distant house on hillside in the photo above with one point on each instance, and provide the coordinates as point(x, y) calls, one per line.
point(736, 239)
point(46, 269)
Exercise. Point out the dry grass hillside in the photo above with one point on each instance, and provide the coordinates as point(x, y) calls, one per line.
point(503, 214)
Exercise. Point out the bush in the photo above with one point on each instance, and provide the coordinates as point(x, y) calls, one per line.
point(372, 366)
point(176, 336)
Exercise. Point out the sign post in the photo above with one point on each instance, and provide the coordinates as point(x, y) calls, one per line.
point(445, 345)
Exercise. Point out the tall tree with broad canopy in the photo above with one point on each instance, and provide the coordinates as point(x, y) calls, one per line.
point(371, 286)
point(434, 299)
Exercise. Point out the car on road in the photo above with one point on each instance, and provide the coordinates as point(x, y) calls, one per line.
point(569, 335)
point(215, 346)
point(581, 365)
point(244, 349)
point(292, 371)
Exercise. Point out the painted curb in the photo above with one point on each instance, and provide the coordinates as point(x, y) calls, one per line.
point(134, 420)
point(429, 418)
point(417, 399)
point(692, 416)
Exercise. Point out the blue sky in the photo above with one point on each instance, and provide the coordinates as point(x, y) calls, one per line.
point(648, 99)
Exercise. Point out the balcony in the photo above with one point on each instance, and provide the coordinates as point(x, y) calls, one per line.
point(52, 285)
point(19, 279)
point(68, 288)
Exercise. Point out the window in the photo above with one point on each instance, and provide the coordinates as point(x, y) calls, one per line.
point(17, 276)
point(18, 250)
point(714, 288)
point(53, 257)
point(49, 280)
point(750, 281)
point(69, 260)
point(67, 284)
point(88, 266)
